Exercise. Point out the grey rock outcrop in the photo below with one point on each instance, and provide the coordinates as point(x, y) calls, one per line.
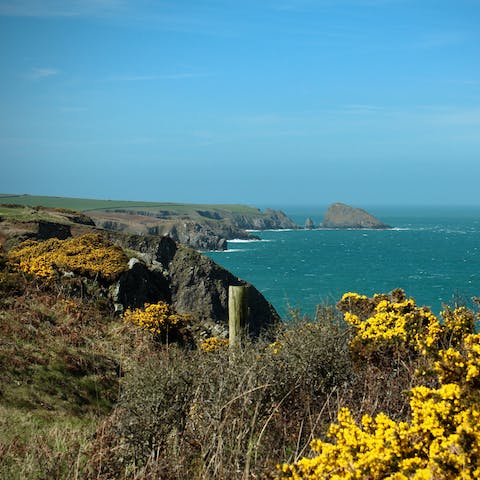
point(309, 225)
point(339, 215)
point(48, 229)
point(270, 219)
point(200, 286)
point(191, 282)
point(140, 285)
point(206, 230)
point(159, 269)
point(196, 235)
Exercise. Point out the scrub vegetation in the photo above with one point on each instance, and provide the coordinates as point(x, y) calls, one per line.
point(372, 388)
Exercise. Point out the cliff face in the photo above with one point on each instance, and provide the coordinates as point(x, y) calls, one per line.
point(191, 233)
point(271, 219)
point(340, 215)
point(190, 281)
point(200, 286)
point(202, 230)
point(203, 227)
point(159, 269)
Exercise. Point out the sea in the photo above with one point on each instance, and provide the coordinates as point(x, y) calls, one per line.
point(433, 253)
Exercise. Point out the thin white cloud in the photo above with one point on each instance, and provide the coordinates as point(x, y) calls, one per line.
point(42, 72)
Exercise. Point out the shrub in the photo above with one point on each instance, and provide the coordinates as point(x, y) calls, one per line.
point(442, 439)
point(213, 344)
point(160, 319)
point(442, 435)
point(90, 255)
point(154, 406)
point(392, 325)
point(384, 324)
point(184, 414)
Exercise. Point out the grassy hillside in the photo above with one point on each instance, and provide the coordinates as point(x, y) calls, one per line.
point(89, 205)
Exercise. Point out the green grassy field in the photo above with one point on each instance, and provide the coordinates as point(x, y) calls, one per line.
point(89, 204)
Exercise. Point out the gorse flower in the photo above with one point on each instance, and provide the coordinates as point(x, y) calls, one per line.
point(389, 324)
point(159, 318)
point(213, 344)
point(90, 255)
point(442, 438)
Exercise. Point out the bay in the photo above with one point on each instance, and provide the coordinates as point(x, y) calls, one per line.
point(433, 253)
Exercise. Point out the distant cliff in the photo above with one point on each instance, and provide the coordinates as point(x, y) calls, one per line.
point(200, 226)
point(199, 229)
point(339, 215)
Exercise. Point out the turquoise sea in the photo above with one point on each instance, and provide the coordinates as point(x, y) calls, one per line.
point(433, 253)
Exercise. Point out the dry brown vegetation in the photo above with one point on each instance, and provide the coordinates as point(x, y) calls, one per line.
point(86, 395)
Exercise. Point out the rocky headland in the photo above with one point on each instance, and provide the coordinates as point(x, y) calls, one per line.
point(200, 229)
point(159, 269)
point(203, 227)
point(339, 215)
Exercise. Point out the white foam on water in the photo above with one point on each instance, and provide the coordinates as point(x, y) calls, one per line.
point(242, 240)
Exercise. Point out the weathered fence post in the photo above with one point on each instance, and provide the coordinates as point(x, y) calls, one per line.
point(237, 314)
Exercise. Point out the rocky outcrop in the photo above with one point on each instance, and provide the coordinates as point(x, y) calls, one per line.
point(309, 225)
point(339, 215)
point(191, 282)
point(200, 286)
point(140, 285)
point(159, 269)
point(210, 230)
point(268, 220)
point(201, 236)
point(196, 235)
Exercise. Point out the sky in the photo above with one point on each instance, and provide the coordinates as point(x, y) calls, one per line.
point(259, 102)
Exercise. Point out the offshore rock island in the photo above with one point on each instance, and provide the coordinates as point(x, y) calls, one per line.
point(339, 215)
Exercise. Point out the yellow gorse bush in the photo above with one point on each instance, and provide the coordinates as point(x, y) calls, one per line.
point(213, 344)
point(157, 318)
point(90, 255)
point(391, 324)
point(442, 438)
point(399, 324)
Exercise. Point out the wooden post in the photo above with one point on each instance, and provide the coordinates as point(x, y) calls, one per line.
point(237, 314)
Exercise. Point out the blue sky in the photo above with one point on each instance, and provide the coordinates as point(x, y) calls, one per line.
point(261, 102)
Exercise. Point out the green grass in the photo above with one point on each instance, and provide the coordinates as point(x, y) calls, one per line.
point(34, 445)
point(25, 213)
point(88, 205)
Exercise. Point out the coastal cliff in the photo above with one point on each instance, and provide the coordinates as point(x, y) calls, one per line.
point(203, 227)
point(339, 215)
point(200, 229)
point(159, 269)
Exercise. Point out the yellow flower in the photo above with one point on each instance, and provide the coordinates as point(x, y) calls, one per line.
point(157, 318)
point(213, 344)
point(90, 255)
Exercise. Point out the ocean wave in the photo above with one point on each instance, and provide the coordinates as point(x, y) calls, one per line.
point(231, 250)
point(242, 240)
point(276, 230)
